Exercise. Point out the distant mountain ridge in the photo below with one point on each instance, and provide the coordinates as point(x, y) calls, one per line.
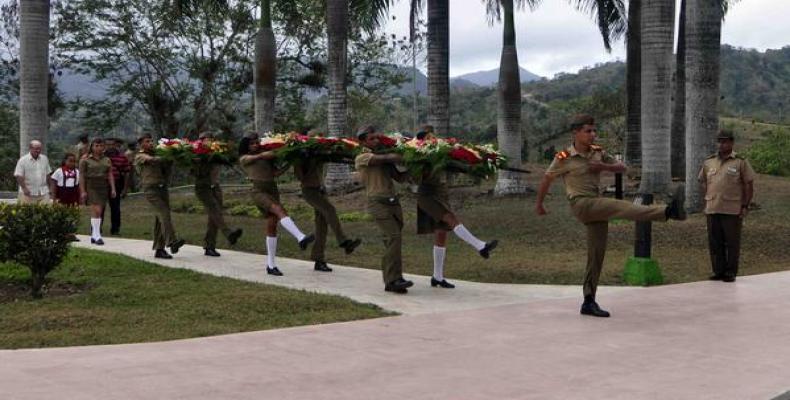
point(491, 77)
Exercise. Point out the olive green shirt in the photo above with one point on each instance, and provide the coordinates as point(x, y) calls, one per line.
point(725, 181)
point(206, 173)
point(257, 169)
point(574, 169)
point(310, 173)
point(377, 178)
point(95, 168)
point(153, 170)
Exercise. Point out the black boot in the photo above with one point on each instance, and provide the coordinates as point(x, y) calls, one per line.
point(321, 266)
point(306, 241)
point(234, 236)
point(349, 245)
point(399, 285)
point(485, 252)
point(211, 252)
point(590, 307)
point(161, 253)
point(176, 245)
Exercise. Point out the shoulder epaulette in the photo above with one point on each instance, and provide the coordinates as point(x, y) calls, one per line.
point(711, 156)
point(561, 155)
point(595, 147)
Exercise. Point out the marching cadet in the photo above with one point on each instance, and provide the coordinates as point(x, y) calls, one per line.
point(580, 166)
point(96, 185)
point(376, 172)
point(154, 173)
point(728, 183)
point(209, 192)
point(260, 169)
point(434, 215)
point(310, 173)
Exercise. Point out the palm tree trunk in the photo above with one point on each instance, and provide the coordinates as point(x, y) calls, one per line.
point(658, 17)
point(34, 72)
point(338, 176)
point(439, 66)
point(703, 47)
point(633, 135)
point(679, 101)
point(509, 108)
point(265, 71)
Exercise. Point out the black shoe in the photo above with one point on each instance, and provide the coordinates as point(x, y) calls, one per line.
point(443, 283)
point(349, 245)
point(176, 245)
point(306, 241)
point(98, 242)
point(234, 236)
point(593, 309)
point(676, 208)
point(274, 271)
point(398, 286)
point(211, 253)
point(161, 253)
point(716, 277)
point(321, 266)
point(486, 251)
point(728, 278)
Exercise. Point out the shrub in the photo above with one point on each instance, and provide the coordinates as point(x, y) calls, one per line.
point(36, 236)
point(769, 155)
point(354, 216)
point(245, 209)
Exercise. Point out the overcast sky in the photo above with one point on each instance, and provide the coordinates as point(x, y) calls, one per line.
point(558, 38)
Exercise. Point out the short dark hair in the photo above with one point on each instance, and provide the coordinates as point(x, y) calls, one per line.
point(66, 157)
point(365, 131)
point(421, 135)
point(143, 137)
point(579, 120)
point(244, 144)
point(83, 138)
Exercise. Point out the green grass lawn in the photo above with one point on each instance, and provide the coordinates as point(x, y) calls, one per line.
point(101, 298)
point(533, 249)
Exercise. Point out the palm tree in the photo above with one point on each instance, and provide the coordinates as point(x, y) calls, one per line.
point(34, 72)
point(678, 135)
point(265, 71)
point(439, 66)
point(657, 31)
point(633, 77)
point(703, 46)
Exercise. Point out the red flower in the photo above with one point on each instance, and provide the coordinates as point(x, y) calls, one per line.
point(387, 141)
point(272, 146)
point(464, 154)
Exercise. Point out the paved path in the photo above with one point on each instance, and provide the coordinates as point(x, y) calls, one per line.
point(705, 340)
point(362, 285)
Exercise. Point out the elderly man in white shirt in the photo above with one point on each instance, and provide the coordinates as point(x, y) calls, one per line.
point(31, 173)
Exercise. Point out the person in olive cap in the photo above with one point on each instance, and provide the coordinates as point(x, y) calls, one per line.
point(209, 192)
point(727, 180)
point(377, 172)
point(580, 166)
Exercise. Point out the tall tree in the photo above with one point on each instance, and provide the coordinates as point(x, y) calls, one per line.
point(678, 135)
point(703, 47)
point(633, 81)
point(439, 66)
point(265, 75)
point(34, 72)
point(657, 34)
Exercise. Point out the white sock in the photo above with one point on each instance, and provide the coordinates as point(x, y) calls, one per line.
point(95, 228)
point(464, 234)
point(271, 250)
point(290, 226)
point(438, 262)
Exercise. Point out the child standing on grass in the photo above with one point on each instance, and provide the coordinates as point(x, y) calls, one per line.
point(64, 182)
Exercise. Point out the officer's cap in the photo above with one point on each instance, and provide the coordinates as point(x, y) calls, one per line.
point(726, 134)
point(365, 131)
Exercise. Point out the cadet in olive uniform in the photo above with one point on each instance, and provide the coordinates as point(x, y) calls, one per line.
point(311, 175)
point(260, 169)
point(728, 183)
point(209, 192)
point(434, 215)
point(154, 173)
point(580, 166)
point(96, 183)
point(376, 172)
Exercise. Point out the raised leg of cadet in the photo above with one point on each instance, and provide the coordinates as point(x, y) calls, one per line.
point(597, 233)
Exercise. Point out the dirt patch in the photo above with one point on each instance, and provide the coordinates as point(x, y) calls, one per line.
point(11, 292)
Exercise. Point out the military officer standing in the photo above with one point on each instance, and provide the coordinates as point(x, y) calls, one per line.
point(154, 173)
point(376, 172)
point(728, 183)
point(310, 173)
point(209, 192)
point(580, 166)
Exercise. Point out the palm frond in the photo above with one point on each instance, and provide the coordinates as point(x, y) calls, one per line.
point(494, 8)
point(415, 9)
point(369, 15)
point(610, 15)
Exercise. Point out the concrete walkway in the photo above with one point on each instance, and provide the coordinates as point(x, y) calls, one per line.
point(359, 284)
point(704, 340)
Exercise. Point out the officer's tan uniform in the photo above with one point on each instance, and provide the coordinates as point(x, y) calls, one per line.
point(310, 173)
point(95, 170)
point(209, 192)
point(583, 191)
point(725, 180)
point(154, 173)
point(384, 207)
point(264, 191)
